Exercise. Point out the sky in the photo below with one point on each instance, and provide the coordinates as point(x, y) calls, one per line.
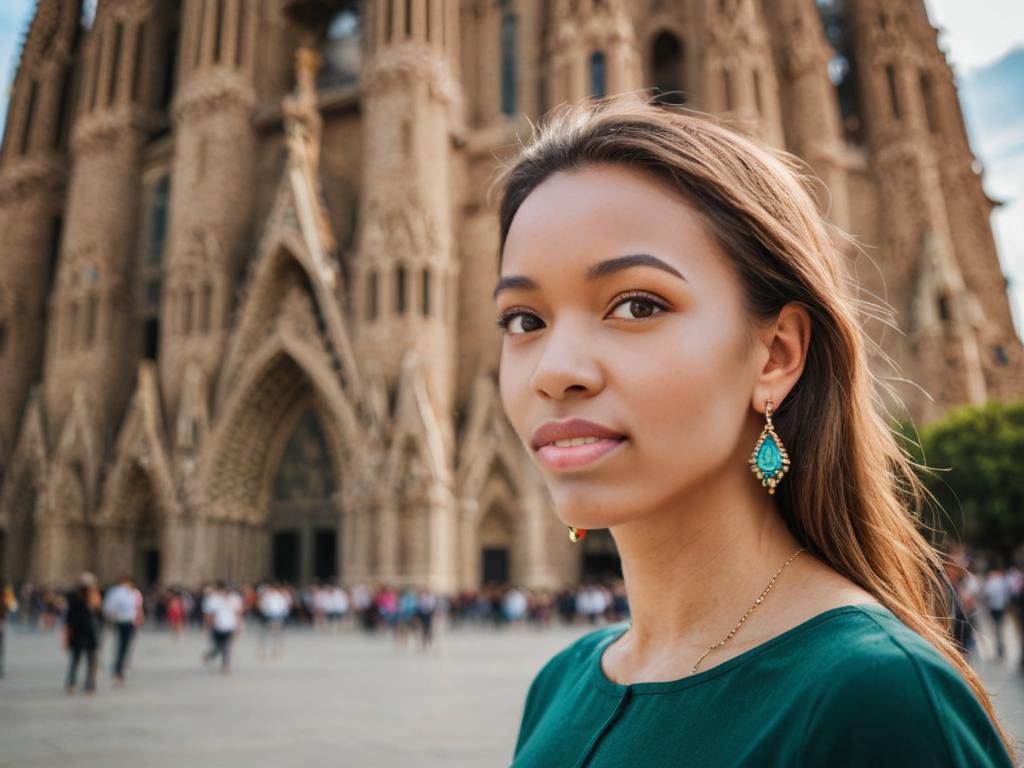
point(984, 41)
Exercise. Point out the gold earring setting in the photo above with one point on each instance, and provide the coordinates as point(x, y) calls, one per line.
point(769, 461)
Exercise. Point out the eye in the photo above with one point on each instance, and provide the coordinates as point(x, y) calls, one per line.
point(516, 322)
point(639, 305)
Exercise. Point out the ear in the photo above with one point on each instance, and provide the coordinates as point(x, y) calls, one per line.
point(786, 340)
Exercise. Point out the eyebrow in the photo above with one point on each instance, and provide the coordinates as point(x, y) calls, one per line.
point(599, 270)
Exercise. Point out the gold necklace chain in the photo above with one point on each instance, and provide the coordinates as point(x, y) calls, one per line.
point(757, 602)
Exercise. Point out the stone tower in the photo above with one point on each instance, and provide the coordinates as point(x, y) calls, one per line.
point(92, 341)
point(938, 264)
point(405, 272)
point(33, 169)
point(211, 185)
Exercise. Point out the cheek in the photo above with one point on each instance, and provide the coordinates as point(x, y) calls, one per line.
point(688, 402)
point(512, 389)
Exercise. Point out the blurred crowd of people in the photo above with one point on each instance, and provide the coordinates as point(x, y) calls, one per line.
point(225, 610)
point(989, 586)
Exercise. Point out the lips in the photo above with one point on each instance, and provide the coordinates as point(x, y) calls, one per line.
point(551, 431)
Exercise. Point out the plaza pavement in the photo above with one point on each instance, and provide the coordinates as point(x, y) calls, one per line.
point(342, 699)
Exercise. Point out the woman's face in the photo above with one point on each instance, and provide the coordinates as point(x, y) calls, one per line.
point(656, 349)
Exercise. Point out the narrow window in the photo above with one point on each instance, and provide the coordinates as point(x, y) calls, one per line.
point(190, 301)
point(218, 23)
point(426, 292)
point(61, 129)
point(116, 65)
point(97, 62)
point(757, 92)
point(894, 100)
point(206, 309)
point(597, 73)
point(72, 327)
point(26, 131)
point(240, 32)
point(400, 290)
point(200, 26)
point(930, 107)
point(158, 220)
point(371, 296)
point(90, 320)
point(151, 338)
point(170, 63)
point(408, 18)
point(508, 63)
point(3, 338)
point(668, 69)
point(56, 227)
point(389, 20)
point(727, 88)
point(140, 40)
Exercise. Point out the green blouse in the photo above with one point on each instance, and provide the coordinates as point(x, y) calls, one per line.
point(852, 686)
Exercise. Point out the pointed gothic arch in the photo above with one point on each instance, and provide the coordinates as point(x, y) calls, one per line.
point(139, 493)
point(22, 500)
point(248, 442)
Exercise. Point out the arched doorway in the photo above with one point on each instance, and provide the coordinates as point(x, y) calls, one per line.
point(495, 537)
point(146, 533)
point(19, 541)
point(303, 519)
point(600, 557)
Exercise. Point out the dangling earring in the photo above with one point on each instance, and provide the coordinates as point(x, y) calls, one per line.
point(576, 534)
point(769, 461)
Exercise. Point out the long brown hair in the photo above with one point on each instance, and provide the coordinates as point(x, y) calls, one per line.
point(852, 496)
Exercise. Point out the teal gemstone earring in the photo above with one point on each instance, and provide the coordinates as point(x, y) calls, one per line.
point(769, 461)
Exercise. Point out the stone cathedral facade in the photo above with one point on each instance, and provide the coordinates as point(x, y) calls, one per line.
point(245, 316)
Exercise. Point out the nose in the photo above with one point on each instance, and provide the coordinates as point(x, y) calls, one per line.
point(566, 366)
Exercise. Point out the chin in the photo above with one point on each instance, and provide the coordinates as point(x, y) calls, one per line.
point(590, 510)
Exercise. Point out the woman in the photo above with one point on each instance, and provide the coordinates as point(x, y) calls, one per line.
point(682, 359)
point(81, 632)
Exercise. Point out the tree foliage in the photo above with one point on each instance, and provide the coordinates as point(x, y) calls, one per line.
point(973, 461)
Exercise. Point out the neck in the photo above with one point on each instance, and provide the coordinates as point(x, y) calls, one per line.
point(693, 570)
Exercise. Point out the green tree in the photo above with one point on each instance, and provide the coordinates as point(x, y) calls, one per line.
point(974, 457)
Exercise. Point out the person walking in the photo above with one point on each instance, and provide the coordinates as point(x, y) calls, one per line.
point(176, 613)
point(997, 597)
point(223, 615)
point(122, 607)
point(426, 604)
point(81, 632)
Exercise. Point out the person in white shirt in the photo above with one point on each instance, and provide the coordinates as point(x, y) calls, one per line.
point(337, 605)
point(222, 613)
point(122, 607)
point(275, 605)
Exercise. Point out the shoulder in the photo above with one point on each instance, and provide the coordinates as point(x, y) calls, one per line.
point(562, 669)
point(888, 695)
